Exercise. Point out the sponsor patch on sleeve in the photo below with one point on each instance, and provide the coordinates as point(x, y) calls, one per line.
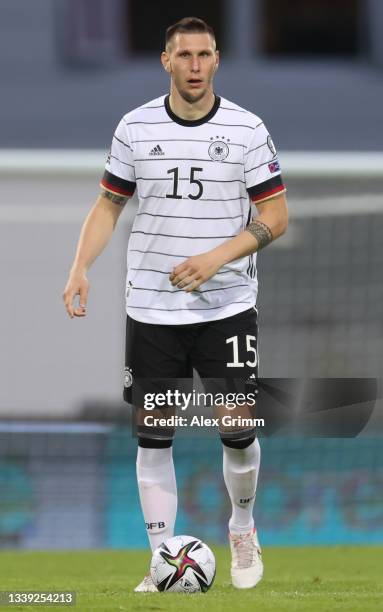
point(274, 167)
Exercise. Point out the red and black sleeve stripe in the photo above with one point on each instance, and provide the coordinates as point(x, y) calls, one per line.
point(118, 185)
point(267, 189)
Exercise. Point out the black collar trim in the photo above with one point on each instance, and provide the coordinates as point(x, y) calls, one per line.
point(193, 122)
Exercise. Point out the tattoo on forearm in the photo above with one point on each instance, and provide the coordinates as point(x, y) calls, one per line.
point(261, 232)
point(113, 197)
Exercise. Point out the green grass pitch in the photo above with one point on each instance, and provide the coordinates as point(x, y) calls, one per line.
point(302, 579)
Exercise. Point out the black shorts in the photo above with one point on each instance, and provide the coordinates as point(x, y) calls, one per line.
point(224, 352)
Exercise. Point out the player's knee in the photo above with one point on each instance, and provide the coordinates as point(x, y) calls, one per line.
point(155, 433)
point(241, 440)
point(147, 442)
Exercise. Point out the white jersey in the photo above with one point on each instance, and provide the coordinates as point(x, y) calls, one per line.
point(196, 181)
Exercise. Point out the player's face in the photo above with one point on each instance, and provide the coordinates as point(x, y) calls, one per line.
point(192, 60)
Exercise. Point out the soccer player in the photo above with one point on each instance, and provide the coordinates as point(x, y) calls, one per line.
point(210, 196)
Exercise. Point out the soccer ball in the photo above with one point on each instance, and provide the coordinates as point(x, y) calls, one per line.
point(183, 564)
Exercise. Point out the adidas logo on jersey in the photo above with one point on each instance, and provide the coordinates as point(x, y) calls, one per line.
point(156, 151)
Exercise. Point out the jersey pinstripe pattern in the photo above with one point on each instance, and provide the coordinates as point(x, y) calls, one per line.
point(195, 181)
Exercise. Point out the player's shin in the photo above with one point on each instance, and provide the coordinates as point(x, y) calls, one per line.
point(158, 492)
point(240, 470)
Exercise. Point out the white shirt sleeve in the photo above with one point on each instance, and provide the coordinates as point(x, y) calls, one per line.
point(262, 171)
point(119, 175)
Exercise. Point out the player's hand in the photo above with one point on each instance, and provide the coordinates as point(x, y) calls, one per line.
point(77, 284)
point(194, 271)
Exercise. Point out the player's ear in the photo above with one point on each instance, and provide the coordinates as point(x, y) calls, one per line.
point(216, 60)
point(165, 61)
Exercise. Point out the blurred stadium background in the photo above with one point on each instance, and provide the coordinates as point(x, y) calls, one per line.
point(313, 69)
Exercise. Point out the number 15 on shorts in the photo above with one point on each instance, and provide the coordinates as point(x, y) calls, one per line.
point(250, 349)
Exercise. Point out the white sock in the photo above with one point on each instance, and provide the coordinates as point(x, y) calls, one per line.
point(240, 472)
point(158, 492)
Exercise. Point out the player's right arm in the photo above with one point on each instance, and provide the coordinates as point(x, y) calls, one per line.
point(117, 186)
point(95, 234)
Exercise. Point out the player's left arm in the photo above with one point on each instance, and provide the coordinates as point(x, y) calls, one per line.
point(266, 227)
point(270, 224)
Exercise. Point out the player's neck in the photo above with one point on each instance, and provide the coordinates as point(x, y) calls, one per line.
point(191, 111)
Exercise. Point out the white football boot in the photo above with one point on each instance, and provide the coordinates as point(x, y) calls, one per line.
point(146, 586)
point(246, 560)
